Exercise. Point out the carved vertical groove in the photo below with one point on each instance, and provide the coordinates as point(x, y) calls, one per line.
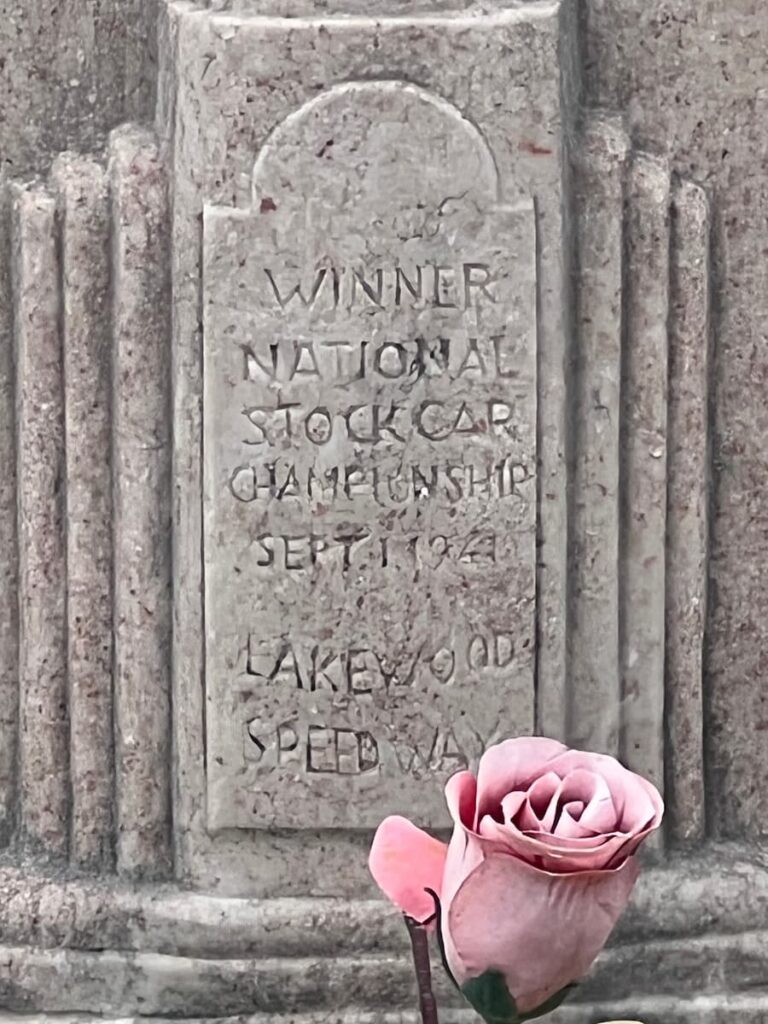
point(554, 439)
point(687, 525)
point(593, 712)
point(9, 690)
point(142, 612)
point(84, 205)
point(644, 476)
point(43, 725)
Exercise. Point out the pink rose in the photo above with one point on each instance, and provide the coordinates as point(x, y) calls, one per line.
point(538, 870)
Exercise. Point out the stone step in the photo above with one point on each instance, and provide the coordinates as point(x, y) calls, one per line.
point(684, 899)
point(714, 1009)
point(118, 982)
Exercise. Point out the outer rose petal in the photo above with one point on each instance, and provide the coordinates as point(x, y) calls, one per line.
point(405, 861)
point(465, 853)
point(460, 795)
point(547, 929)
point(559, 854)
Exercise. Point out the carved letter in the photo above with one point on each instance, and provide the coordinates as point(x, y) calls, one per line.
point(296, 290)
point(257, 416)
point(287, 743)
point(374, 296)
point(477, 653)
point(476, 278)
point(401, 279)
point(391, 368)
point(266, 543)
point(318, 426)
point(478, 366)
point(252, 365)
point(443, 283)
point(312, 370)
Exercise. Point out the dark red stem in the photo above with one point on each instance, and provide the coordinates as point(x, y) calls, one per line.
point(420, 948)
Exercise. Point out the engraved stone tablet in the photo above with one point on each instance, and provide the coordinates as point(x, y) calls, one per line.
point(370, 466)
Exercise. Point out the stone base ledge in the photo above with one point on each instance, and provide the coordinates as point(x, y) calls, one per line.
point(723, 889)
point(688, 950)
point(719, 1009)
point(152, 984)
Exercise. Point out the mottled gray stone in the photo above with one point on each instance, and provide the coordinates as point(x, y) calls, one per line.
point(84, 269)
point(692, 80)
point(370, 458)
point(9, 629)
point(594, 686)
point(141, 468)
point(69, 74)
point(688, 510)
point(215, 126)
point(703, 1010)
point(180, 697)
point(43, 757)
point(643, 422)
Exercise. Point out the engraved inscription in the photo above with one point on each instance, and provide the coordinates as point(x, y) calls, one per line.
point(370, 498)
point(343, 362)
point(267, 481)
point(359, 548)
point(445, 287)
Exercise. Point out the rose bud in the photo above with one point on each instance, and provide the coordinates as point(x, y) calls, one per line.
point(538, 870)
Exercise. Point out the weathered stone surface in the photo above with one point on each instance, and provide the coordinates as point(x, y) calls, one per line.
point(603, 162)
point(117, 982)
point(692, 79)
point(643, 423)
point(690, 898)
point(142, 543)
point(90, 426)
point(370, 438)
point(688, 510)
point(593, 694)
point(69, 74)
point(723, 1009)
point(84, 271)
point(43, 749)
point(9, 629)
point(215, 126)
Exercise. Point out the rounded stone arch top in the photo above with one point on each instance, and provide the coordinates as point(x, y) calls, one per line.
point(375, 145)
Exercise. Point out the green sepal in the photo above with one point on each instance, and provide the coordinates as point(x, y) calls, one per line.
point(489, 996)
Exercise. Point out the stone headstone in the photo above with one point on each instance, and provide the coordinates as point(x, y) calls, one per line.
point(370, 455)
point(374, 384)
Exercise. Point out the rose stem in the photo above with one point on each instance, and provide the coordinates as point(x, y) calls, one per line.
point(420, 948)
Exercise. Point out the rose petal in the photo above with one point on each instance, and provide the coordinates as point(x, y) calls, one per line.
point(540, 809)
point(637, 802)
point(568, 825)
point(404, 861)
point(547, 929)
point(506, 766)
point(511, 804)
point(575, 843)
point(553, 853)
point(598, 816)
point(460, 795)
point(465, 853)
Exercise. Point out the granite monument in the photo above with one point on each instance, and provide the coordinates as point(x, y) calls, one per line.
point(376, 381)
